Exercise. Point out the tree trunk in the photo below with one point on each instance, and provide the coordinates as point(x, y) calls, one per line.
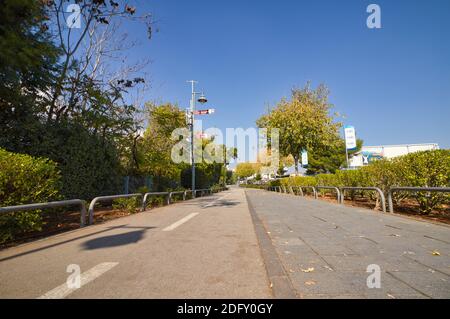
point(296, 164)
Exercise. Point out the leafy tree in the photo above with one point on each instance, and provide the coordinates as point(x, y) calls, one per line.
point(59, 97)
point(27, 66)
point(244, 170)
point(329, 158)
point(304, 121)
point(156, 144)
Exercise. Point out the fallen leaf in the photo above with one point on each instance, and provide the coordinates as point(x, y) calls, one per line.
point(310, 283)
point(311, 269)
point(394, 235)
point(271, 285)
point(390, 296)
point(436, 253)
point(329, 268)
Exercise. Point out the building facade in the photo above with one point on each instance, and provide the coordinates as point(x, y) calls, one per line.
point(371, 153)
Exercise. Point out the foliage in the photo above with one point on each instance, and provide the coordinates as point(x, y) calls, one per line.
point(329, 158)
point(23, 180)
point(244, 170)
point(89, 164)
point(304, 121)
point(130, 205)
point(426, 169)
point(420, 169)
point(156, 145)
point(63, 101)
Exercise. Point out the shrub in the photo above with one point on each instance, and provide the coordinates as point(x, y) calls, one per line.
point(420, 169)
point(89, 164)
point(426, 169)
point(130, 205)
point(143, 190)
point(24, 180)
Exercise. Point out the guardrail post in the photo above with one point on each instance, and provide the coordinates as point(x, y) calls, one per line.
point(415, 190)
point(331, 187)
point(380, 194)
point(391, 204)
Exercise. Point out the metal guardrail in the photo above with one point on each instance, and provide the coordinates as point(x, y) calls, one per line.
point(78, 202)
point(415, 190)
point(203, 191)
point(175, 193)
point(82, 203)
point(300, 190)
point(380, 194)
point(105, 198)
point(330, 187)
point(147, 195)
point(185, 193)
point(310, 187)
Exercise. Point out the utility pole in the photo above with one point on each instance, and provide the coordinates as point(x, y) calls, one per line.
point(191, 120)
point(191, 126)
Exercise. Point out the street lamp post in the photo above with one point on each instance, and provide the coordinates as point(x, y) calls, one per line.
point(191, 122)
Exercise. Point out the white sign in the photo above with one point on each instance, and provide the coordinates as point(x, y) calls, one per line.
point(304, 158)
point(350, 137)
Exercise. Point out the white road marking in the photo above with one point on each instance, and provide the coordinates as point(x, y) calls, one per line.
point(215, 201)
point(180, 222)
point(86, 277)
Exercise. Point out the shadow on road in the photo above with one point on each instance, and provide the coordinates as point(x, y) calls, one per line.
point(67, 241)
point(116, 240)
point(224, 203)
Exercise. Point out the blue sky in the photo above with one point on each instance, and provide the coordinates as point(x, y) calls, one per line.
point(392, 84)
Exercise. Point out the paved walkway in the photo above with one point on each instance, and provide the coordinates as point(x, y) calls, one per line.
point(325, 249)
point(236, 244)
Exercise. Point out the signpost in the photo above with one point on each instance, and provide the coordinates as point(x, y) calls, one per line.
point(190, 119)
point(204, 112)
point(350, 140)
point(304, 158)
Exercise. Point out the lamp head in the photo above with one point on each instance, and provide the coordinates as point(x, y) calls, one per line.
point(202, 99)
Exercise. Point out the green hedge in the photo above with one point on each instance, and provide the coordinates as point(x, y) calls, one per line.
point(420, 169)
point(23, 180)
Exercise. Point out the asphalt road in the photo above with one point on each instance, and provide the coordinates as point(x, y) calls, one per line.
point(202, 248)
point(236, 244)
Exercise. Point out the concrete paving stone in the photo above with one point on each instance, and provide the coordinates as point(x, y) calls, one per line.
point(349, 239)
point(434, 285)
point(321, 282)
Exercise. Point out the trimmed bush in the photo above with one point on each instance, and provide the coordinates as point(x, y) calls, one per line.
point(24, 180)
point(426, 169)
point(420, 169)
